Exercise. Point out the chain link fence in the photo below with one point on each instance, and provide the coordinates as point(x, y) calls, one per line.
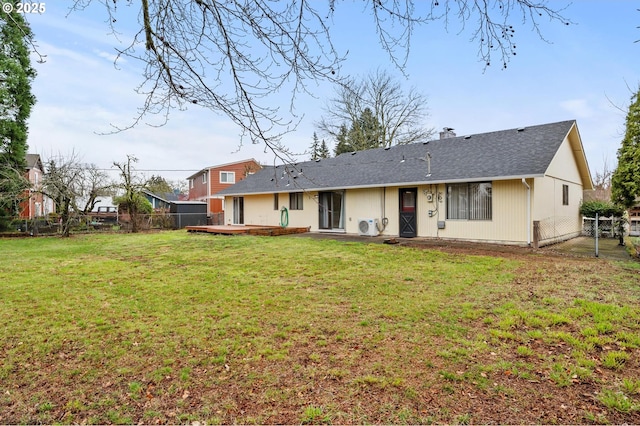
point(554, 229)
point(91, 223)
point(606, 227)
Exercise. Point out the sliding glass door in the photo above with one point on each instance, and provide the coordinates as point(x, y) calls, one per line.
point(331, 210)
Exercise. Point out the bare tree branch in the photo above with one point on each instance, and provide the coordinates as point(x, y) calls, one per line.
point(232, 56)
point(401, 116)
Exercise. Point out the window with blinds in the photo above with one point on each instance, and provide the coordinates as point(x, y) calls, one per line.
point(295, 201)
point(469, 201)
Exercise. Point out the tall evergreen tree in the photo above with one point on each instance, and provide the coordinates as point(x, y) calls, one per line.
point(16, 75)
point(365, 132)
point(625, 182)
point(324, 150)
point(315, 147)
point(16, 100)
point(342, 141)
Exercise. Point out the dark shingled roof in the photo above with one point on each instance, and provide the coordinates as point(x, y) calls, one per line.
point(33, 160)
point(506, 154)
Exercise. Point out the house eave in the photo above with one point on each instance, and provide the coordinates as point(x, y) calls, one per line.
point(385, 185)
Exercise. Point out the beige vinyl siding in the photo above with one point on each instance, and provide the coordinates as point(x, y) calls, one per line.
point(255, 210)
point(308, 216)
point(362, 204)
point(557, 220)
point(548, 199)
point(258, 210)
point(508, 224)
point(509, 219)
point(564, 166)
point(428, 226)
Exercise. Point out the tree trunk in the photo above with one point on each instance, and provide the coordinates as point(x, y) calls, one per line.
point(65, 217)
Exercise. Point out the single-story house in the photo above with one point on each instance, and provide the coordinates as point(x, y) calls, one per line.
point(519, 186)
point(160, 202)
point(183, 212)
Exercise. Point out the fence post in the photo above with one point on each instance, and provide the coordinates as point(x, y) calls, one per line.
point(536, 234)
point(597, 235)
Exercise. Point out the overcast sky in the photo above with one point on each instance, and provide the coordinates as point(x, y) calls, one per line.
point(585, 71)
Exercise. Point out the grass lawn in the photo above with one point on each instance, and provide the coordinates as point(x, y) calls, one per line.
point(175, 327)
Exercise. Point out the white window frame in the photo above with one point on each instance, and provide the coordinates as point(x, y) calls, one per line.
point(204, 177)
point(228, 175)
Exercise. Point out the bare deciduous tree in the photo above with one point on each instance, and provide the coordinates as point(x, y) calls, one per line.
point(602, 183)
point(400, 115)
point(61, 183)
point(70, 184)
point(230, 56)
point(95, 183)
point(131, 202)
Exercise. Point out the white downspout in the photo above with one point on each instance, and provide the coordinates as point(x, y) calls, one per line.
point(524, 182)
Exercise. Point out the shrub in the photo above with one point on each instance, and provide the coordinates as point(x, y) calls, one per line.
point(602, 208)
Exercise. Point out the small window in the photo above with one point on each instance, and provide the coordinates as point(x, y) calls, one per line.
point(190, 183)
point(295, 201)
point(227, 177)
point(276, 204)
point(565, 195)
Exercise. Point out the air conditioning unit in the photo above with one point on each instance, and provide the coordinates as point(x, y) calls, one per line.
point(368, 227)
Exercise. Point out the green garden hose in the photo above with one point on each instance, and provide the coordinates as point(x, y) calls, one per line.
point(284, 217)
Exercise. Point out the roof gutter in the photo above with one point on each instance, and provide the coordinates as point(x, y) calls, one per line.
point(524, 182)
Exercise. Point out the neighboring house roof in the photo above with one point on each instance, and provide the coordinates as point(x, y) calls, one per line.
point(165, 196)
point(221, 166)
point(34, 161)
point(507, 154)
point(170, 198)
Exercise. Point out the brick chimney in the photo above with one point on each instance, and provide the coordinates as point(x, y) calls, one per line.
point(447, 132)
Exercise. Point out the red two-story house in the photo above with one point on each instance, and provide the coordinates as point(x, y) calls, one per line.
point(35, 203)
point(205, 184)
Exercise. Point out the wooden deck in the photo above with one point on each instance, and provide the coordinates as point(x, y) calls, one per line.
point(246, 230)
